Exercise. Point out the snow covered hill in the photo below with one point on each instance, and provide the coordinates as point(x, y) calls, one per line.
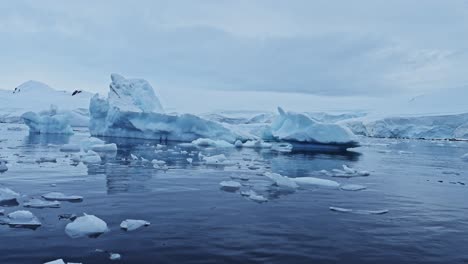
point(36, 97)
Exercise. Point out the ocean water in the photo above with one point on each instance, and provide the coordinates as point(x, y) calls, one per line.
point(422, 184)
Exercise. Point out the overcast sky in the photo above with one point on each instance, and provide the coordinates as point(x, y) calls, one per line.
point(321, 47)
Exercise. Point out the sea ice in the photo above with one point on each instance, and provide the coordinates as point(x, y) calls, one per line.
point(131, 224)
point(315, 181)
point(86, 225)
point(281, 181)
point(58, 196)
point(37, 203)
point(230, 185)
point(104, 147)
point(206, 142)
point(23, 218)
point(115, 256)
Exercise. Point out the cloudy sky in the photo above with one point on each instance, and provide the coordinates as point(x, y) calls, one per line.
point(317, 47)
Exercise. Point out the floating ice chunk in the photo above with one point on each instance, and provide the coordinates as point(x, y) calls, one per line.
point(8, 196)
point(363, 173)
point(70, 148)
point(189, 160)
point(238, 144)
point(345, 210)
point(86, 225)
point(131, 224)
point(289, 126)
point(465, 157)
point(104, 147)
point(216, 160)
point(3, 166)
point(58, 196)
point(258, 144)
point(282, 147)
point(206, 142)
point(37, 203)
point(230, 185)
point(91, 157)
point(254, 196)
point(48, 122)
point(23, 218)
point(352, 187)
point(133, 157)
point(158, 162)
point(115, 256)
point(315, 181)
point(57, 261)
point(281, 181)
point(88, 143)
point(325, 172)
point(349, 170)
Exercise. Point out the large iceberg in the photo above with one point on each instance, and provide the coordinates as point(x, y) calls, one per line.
point(133, 110)
point(48, 122)
point(299, 128)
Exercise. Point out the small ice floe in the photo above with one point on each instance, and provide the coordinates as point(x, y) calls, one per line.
point(183, 152)
point(464, 157)
point(58, 196)
point(160, 147)
point(88, 143)
point(250, 194)
point(23, 218)
point(349, 170)
point(8, 196)
point(281, 181)
point(258, 144)
point(206, 142)
point(315, 181)
point(131, 224)
point(325, 172)
point(282, 147)
point(345, 210)
point(189, 160)
point(217, 160)
point(86, 225)
point(46, 159)
point(230, 186)
point(91, 157)
point(3, 166)
point(352, 187)
point(158, 162)
point(38, 203)
point(238, 144)
point(115, 256)
point(112, 147)
point(133, 157)
point(59, 261)
point(70, 148)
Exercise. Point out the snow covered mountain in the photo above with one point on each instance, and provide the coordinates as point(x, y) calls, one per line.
point(36, 97)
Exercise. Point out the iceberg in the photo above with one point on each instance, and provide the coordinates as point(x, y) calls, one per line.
point(48, 122)
point(133, 110)
point(86, 225)
point(300, 128)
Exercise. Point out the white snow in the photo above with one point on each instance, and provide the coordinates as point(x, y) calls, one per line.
point(230, 185)
point(58, 196)
point(296, 127)
point(131, 224)
point(315, 181)
point(38, 203)
point(48, 122)
point(86, 225)
point(206, 142)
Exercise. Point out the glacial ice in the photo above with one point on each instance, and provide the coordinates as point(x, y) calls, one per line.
point(133, 110)
point(206, 142)
point(230, 185)
point(352, 187)
point(281, 181)
point(70, 148)
point(112, 147)
point(90, 157)
point(86, 225)
point(38, 203)
point(258, 144)
point(296, 127)
point(7, 196)
point(315, 181)
point(48, 122)
point(131, 224)
point(23, 218)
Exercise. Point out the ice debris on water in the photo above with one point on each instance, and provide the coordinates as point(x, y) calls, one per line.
point(206, 142)
point(8, 196)
point(352, 187)
point(257, 144)
point(349, 172)
point(48, 122)
point(238, 144)
point(38, 203)
point(112, 147)
point(230, 185)
point(281, 181)
point(60, 261)
point(131, 224)
point(47, 159)
point(315, 181)
point(115, 256)
point(282, 147)
point(252, 195)
point(3, 166)
point(23, 218)
point(58, 196)
point(217, 160)
point(91, 157)
point(346, 210)
point(86, 225)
